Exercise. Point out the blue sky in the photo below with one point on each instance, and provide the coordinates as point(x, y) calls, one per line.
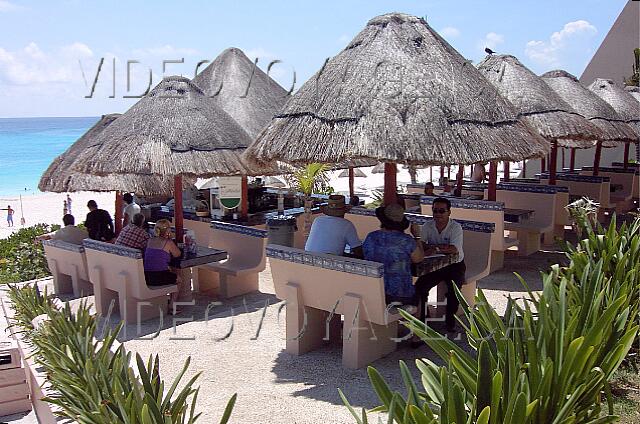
point(46, 46)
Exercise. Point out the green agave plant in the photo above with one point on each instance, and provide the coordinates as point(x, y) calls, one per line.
point(548, 360)
point(92, 379)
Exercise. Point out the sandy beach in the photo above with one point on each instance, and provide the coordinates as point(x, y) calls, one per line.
point(47, 208)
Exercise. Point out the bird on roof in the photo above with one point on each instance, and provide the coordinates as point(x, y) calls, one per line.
point(488, 50)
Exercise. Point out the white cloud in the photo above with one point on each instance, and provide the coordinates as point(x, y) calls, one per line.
point(450, 32)
point(491, 40)
point(7, 6)
point(571, 42)
point(32, 65)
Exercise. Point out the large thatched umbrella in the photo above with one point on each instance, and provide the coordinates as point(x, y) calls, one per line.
point(614, 130)
point(539, 105)
point(398, 93)
point(623, 103)
point(245, 92)
point(175, 130)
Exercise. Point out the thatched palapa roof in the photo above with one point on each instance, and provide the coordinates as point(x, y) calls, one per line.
point(60, 178)
point(621, 101)
point(242, 89)
point(174, 130)
point(538, 104)
point(634, 91)
point(397, 93)
point(592, 107)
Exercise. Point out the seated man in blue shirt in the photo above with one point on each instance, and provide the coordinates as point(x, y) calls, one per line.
point(442, 235)
point(331, 232)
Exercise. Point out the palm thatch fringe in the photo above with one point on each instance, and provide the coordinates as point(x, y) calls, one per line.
point(592, 107)
point(242, 89)
point(539, 105)
point(398, 93)
point(173, 130)
point(621, 101)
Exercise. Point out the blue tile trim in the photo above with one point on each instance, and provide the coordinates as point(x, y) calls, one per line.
point(362, 211)
point(483, 227)
point(240, 229)
point(322, 260)
point(64, 245)
point(612, 170)
point(466, 203)
point(577, 178)
point(291, 212)
point(532, 188)
point(114, 249)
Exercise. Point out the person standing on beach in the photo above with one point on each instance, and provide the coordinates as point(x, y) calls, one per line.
point(65, 208)
point(99, 223)
point(10, 213)
point(130, 210)
point(69, 204)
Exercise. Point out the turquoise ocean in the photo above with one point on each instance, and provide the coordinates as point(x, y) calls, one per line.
point(28, 145)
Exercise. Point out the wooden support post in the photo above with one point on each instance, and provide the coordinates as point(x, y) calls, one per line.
point(493, 180)
point(119, 212)
point(390, 183)
point(244, 199)
point(552, 162)
point(572, 159)
point(177, 208)
point(596, 160)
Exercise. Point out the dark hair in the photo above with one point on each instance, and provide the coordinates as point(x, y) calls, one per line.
point(354, 200)
point(443, 200)
point(127, 197)
point(68, 219)
point(92, 204)
point(138, 220)
point(429, 184)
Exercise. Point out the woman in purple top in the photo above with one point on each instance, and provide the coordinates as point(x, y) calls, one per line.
point(160, 250)
point(396, 250)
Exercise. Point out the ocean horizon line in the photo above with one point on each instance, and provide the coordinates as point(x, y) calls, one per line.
point(51, 117)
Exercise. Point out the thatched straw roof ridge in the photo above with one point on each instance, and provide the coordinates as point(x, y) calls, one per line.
point(242, 89)
point(400, 93)
point(592, 107)
point(175, 129)
point(540, 106)
point(624, 103)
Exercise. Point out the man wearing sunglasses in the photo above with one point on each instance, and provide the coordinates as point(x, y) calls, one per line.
point(442, 235)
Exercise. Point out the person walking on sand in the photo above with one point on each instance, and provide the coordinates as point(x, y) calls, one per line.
point(65, 208)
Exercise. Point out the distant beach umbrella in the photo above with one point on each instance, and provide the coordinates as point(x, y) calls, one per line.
point(357, 173)
point(585, 102)
point(397, 93)
point(273, 182)
point(540, 107)
point(623, 103)
point(378, 169)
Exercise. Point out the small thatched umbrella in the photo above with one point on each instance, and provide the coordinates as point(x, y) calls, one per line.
point(623, 103)
point(352, 174)
point(614, 130)
point(398, 93)
point(175, 130)
point(539, 106)
point(378, 169)
point(245, 92)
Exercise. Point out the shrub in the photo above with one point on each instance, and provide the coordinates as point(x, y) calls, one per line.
point(92, 379)
point(20, 258)
point(547, 360)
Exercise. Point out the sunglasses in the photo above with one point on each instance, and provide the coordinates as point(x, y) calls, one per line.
point(439, 210)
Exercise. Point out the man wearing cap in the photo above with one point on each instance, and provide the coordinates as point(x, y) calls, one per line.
point(442, 235)
point(331, 233)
